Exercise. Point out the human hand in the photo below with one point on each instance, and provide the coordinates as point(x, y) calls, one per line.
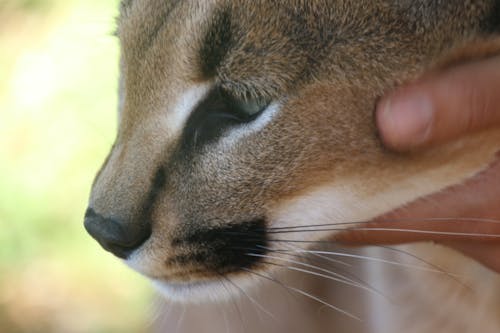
point(440, 107)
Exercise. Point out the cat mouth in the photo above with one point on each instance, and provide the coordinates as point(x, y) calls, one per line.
point(199, 259)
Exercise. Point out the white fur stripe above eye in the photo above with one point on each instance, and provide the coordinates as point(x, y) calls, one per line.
point(184, 106)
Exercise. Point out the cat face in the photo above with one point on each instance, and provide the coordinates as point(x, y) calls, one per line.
point(239, 119)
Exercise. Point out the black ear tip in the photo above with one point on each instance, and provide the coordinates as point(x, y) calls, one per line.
point(115, 236)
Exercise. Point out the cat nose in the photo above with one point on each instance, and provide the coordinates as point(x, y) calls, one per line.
point(117, 237)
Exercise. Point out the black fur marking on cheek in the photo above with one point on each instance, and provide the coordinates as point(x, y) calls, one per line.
point(217, 42)
point(225, 248)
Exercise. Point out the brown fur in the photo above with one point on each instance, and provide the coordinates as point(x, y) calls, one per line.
point(327, 62)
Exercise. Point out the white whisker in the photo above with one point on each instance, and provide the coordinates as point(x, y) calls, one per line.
point(430, 232)
point(226, 322)
point(354, 279)
point(234, 304)
point(181, 318)
point(157, 310)
point(402, 230)
point(336, 261)
point(317, 299)
point(255, 302)
point(439, 269)
point(332, 275)
point(428, 219)
point(357, 256)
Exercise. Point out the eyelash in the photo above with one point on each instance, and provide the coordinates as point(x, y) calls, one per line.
point(248, 107)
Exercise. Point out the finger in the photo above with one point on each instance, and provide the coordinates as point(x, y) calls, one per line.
point(442, 106)
point(441, 217)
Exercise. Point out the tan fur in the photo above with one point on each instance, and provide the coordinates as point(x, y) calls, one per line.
point(318, 159)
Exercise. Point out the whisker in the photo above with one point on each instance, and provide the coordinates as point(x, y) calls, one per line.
point(181, 318)
point(434, 266)
point(299, 263)
point(332, 275)
point(257, 247)
point(428, 219)
point(336, 261)
point(374, 259)
point(346, 273)
point(252, 299)
point(356, 281)
point(226, 322)
point(159, 309)
point(430, 232)
point(317, 299)
point(402, 230)
point(283, 285)
point(238, 311)
point(328, 277)
point(156, 308)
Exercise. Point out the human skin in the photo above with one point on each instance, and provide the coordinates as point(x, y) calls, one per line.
point(437, 108)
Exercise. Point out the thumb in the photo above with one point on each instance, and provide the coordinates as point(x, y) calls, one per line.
point(442, 106)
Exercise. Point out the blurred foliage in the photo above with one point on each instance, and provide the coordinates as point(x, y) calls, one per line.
point(58, 81)
point(26, 5)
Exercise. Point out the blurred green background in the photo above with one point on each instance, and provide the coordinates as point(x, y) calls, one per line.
point(58, 82)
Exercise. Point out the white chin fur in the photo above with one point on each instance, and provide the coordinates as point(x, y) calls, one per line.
point(203, 292)
point(216, 290)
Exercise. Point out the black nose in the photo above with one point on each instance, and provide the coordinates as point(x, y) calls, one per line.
point(117, 237)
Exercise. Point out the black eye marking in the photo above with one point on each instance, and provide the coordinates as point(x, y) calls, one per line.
point(218, 112)
point(217, 42)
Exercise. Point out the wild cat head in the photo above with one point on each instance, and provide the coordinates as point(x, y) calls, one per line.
point(238, 118)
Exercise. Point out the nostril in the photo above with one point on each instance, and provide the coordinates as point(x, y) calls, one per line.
point(115, 236)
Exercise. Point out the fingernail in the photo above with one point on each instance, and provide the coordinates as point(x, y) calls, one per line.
point(406, 120)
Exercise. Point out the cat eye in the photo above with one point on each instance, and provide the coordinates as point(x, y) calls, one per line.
point(219, 111)
point(245, 108)
point(252, 107)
